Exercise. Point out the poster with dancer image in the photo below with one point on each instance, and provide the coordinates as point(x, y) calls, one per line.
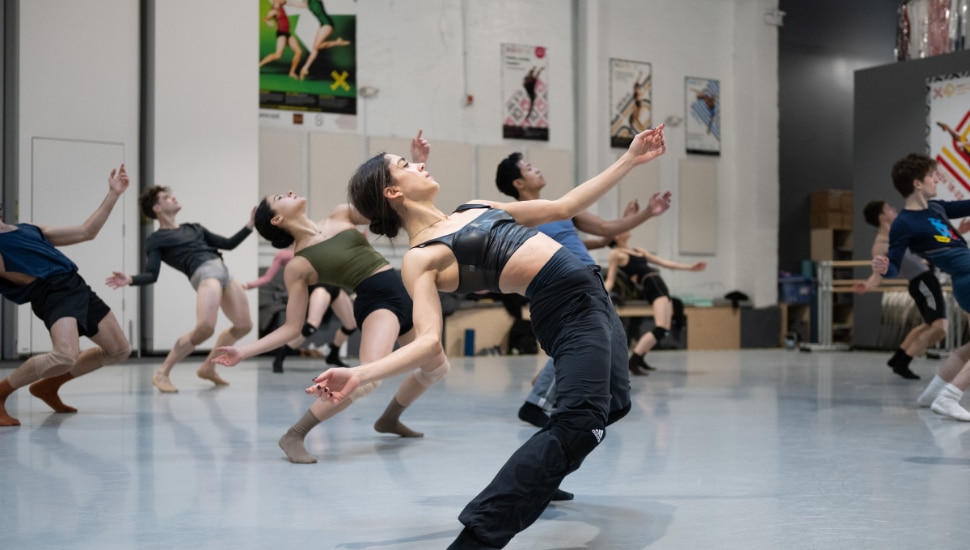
point(525, 92)
point(631, 106)
point(703, 120)
point(948, 133)
point(307, 59)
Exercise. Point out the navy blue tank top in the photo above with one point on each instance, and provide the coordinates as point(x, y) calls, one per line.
point(483, 247)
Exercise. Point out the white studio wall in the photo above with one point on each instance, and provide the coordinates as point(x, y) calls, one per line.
point(206, 140)
point(78, 96)
point(424, 57)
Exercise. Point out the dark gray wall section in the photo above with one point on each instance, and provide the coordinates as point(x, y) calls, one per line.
point(889, 122)
point(820, 45)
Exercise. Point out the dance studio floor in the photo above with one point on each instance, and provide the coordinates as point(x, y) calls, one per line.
point(758, 449)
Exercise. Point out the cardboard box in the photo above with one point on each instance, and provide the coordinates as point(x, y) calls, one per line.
point(830, 209)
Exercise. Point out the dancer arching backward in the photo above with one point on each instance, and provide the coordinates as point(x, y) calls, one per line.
point(923, 226)
point(923, 287)
point(333, 251)
point(633, 262)
point(193, 250)
point(33, 270)
point(492, 246)
point(322, 297)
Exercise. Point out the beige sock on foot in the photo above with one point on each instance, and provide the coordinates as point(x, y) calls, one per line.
point(46, 391)
point(163, 384)
point(292, 441)
point(212, 377)
point(390, 421)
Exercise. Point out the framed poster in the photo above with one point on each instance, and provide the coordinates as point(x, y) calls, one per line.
point(631, 105)
point(948, 133)
point(703, 120)
point(307, 58)
point(525, 92)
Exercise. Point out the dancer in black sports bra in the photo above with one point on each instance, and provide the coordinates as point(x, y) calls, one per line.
point(492, 246)
point(633, 262)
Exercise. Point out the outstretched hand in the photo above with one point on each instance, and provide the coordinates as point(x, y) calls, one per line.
point(880, 265)
point(964, 226)
point(699, 266)
point(229, 356)
point(659, 203)
point(860, 288)
point(117, 280)
point(118, 180)
point(648, 145)
point(420, 148)
point(335, 384)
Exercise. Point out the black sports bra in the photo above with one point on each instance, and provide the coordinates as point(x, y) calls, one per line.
point(637, 266)
point(483, 247)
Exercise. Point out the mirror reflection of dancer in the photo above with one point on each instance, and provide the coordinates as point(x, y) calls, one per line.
point(639, 104)
point(283, 37)
point(923, 226)
point(923, 287)
point(33, 271)
point(522, 181)
point(322, 297)
point(529, 83)
point(493, 246)
point(333, 251)
point(320, 39)
point(193, 250)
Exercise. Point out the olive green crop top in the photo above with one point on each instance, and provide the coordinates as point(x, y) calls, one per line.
point(345, 259)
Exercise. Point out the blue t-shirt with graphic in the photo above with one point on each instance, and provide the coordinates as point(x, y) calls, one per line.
point(926, 231)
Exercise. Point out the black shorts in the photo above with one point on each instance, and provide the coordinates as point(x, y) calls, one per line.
point(925, 290)
point(653, 287)
point(67, 295)
point(384, 290)
point(332, 290)
point(282, 33)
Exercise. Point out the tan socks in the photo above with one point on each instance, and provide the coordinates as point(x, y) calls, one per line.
point(292, 441)
point(390, 421)
point(47, 388)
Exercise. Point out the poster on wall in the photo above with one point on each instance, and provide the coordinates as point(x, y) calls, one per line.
point(948, 133)
point(525, 92)
point(631, 106)
point(703, 120)
point(307, 60)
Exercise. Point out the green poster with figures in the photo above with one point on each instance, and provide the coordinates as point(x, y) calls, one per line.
point(308, 58)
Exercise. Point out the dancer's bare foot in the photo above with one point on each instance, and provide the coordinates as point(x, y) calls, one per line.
point(334, 43)
point(304, 72)
point(211, 375)
point(162, 382)
point(46, 390)
point(5, 419)
point(295, 76)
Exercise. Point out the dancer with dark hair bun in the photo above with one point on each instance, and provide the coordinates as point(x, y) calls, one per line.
point(333, 251)
point(493, 246)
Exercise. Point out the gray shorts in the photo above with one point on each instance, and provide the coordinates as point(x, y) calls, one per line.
point(213, 269)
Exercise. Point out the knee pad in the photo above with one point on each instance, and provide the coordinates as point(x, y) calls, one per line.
point(201, 334)
point(115, 357)
point(308, 330)
point(659, 333)
point(53, 363)
point(348, 331)
point(428, 378)
point(238, 331)
point(364, 391)
point(579, 435)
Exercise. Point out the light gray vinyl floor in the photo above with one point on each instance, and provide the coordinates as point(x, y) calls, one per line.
point(757, 449)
